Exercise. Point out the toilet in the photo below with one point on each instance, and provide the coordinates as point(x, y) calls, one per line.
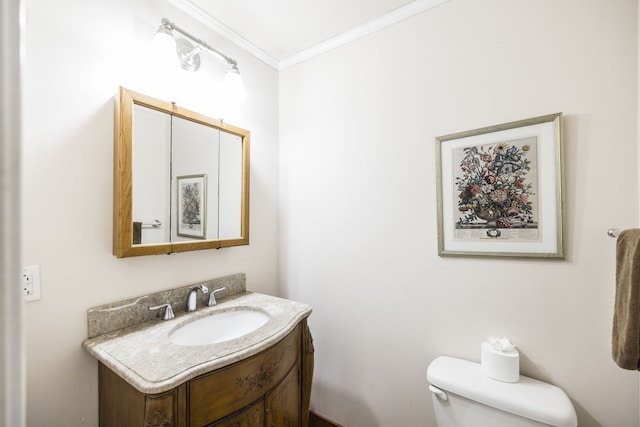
point(463, 396)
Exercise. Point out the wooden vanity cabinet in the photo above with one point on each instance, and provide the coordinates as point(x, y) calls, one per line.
point(269, 389)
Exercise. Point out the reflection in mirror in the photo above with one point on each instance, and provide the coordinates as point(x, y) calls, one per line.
point(195, 169)
point(181, 179)
point(151, 175)
point(230, 186)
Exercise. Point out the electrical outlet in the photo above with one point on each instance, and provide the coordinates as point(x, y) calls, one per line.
point(31, 283)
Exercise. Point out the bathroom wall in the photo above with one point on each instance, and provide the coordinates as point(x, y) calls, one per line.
point(358, 203)
point(77, 54)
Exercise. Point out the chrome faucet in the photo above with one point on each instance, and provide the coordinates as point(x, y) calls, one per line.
point(192, 302)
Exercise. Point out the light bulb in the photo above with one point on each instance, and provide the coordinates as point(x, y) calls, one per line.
point(233, 87)
point(163, 43)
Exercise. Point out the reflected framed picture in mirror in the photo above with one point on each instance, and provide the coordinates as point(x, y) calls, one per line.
point(192, 206)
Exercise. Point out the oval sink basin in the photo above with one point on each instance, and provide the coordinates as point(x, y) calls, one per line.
point(219, 327)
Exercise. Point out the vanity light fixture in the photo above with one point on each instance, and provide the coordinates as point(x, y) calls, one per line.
point(188, 53)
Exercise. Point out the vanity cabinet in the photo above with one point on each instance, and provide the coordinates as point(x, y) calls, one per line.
point(269, 389)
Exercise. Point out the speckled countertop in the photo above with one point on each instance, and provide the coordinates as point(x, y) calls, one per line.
point(143, 355)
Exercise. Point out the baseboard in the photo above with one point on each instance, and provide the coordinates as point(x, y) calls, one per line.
point(316, 420)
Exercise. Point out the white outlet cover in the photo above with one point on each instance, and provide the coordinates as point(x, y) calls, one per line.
point(31, 273)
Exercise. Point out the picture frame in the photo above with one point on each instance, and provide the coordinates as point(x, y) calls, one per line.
point(192, 206)
point(500, 190)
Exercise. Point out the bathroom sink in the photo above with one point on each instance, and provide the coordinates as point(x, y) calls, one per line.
point(219, 327)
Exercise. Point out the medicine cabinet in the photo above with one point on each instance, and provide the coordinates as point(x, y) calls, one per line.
point(181, 179)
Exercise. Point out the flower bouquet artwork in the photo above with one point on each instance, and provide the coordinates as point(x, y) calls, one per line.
point(192, 204)
point(497, 187)
point(500, 190)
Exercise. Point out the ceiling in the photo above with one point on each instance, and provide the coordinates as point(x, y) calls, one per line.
point(285, 32)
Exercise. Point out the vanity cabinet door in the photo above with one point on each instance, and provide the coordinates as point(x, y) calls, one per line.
point(283, 403)
point(228, 390)
point(250, 417)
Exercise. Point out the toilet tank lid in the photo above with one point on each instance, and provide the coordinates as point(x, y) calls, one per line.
point(527, 398)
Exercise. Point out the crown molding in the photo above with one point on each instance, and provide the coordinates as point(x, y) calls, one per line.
point(391, 18)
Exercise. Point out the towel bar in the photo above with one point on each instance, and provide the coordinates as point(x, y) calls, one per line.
point(153, 224)
point(613, 232)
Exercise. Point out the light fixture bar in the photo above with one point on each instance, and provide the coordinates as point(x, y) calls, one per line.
point(201, 45)
point(187, 50)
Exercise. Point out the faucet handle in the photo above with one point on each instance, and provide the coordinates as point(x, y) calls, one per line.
point(168, 312)
point(212, 296)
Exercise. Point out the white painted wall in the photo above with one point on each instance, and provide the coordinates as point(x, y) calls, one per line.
point(358, 203)
point(78, 52)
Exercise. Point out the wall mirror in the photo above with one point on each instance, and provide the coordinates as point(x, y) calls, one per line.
point(181, 179)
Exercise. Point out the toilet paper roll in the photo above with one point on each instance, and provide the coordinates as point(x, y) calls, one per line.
point(500, 365)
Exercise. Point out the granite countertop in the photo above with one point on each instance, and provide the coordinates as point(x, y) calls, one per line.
point(146, 359)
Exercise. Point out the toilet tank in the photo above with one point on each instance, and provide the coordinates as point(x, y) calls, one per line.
point(464, 397)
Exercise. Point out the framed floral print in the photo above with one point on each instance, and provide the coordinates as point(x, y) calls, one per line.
point(500, 190)
point(192, 206)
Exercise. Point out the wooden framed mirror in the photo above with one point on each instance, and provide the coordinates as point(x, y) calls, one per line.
point(181, 179)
